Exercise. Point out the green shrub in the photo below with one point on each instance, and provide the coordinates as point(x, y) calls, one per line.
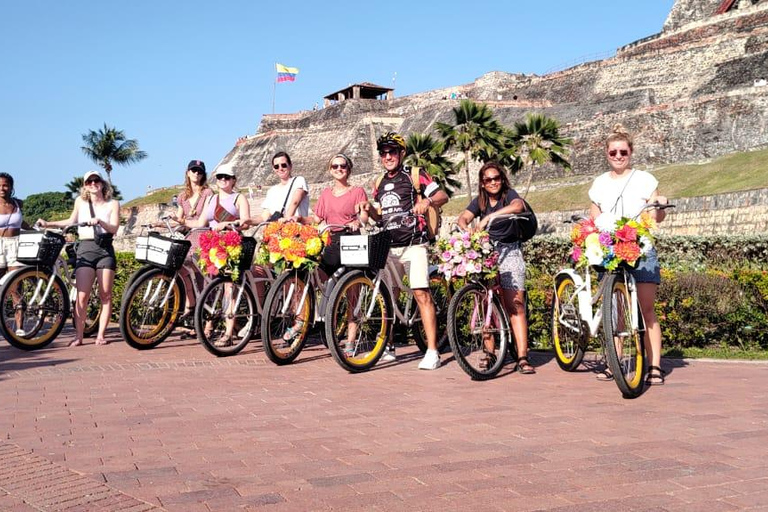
point(126, 266)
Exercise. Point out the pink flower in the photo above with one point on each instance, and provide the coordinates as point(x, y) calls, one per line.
point(446, 256)
point(627, 233)
point(576, 253)
point(461, 270)
point(472, 255)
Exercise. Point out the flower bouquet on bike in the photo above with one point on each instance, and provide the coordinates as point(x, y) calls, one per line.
point(464, 256)
point(610, 241)
point(225, 253)
point(292, 245)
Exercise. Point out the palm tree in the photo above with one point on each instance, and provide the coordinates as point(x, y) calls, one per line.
point(109, 145)
point(75, 186)
point(537, 141)
point(425, 152)
point(475, 132)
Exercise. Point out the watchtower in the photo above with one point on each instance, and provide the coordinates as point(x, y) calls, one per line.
point(362, 91)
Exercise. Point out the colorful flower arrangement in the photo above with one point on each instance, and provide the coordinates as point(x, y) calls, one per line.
point(292, 245)
point(609, 240)
point(219, 253)
point(464, 255)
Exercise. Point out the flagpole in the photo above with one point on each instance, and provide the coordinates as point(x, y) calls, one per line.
point(274, 84)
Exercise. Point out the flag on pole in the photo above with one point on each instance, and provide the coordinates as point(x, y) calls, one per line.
point(286, 74)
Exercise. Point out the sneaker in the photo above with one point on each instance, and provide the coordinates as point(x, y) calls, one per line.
point(389, 355)
point(20, 332)
point(431, 360)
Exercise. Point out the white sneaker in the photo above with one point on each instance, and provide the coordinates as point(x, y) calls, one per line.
point(20, 332)
point(431, 360)
point(388, 356)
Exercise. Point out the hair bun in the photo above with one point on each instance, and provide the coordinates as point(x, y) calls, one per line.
point(619, 128)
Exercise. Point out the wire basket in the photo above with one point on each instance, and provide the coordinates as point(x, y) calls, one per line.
point(39, 248)
point(247, 252)
point(369, 251)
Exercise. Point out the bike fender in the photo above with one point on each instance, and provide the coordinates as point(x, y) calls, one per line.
point(7, 277)
point(577, 280)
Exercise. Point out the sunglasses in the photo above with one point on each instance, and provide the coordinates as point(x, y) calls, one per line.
point(338, 166)
point(491, 179)
point(623, 152)
point(93, 182)
point(224, 177)
point(197, 170)
point(385, 152)
point(278, 166)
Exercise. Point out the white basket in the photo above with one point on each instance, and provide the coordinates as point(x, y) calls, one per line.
point(161, 251)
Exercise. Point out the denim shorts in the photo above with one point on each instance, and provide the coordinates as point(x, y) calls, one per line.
point(648, 270)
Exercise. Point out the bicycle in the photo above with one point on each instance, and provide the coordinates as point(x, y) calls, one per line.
point(366, 295)
point(285, 314)
point(36, 300)
point(617, 310)
point(226, 305)
point(479, 330)
point(154, 297)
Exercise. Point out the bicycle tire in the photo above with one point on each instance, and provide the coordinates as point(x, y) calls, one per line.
point(41, 323)
point(93, 311)
point(354, 291)
point(468, 335)
point(289, 285)
point(441, 297)
point(627, 363)
point(211, 316)
point(569, 335)
point(150, 308)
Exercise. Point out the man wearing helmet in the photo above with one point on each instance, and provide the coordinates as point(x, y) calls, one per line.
point(396, 194)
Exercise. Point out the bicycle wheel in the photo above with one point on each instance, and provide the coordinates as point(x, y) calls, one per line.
point(357, 324)
point(441, 297)
point(624, 348)
point(226, 316)
point(150, 308)
point(289, 311)
point(32, 314)
point(92, 311)
point(479, 332)
point(569, 334)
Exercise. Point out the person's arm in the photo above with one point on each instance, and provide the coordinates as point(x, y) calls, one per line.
point(658, 215)
point(465, 219)
point(62, 223)
point(244, 210)
point(201, 221)
point(594, 211)
point(293, 203)
point(516, 206)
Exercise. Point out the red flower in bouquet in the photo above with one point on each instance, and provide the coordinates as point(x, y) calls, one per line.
point(626, 233)
point(220, 253)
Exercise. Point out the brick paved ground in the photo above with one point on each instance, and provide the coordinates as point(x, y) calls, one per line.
point(111, 428)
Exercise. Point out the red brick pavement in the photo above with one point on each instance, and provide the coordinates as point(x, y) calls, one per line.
point(111, 428)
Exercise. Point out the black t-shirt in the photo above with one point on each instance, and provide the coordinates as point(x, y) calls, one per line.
point(499, 226)
point(397, 195)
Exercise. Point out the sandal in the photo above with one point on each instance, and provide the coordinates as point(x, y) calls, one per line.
point(605, 376)
point(349, 349)
point(224, 341)
point(291, 333)
point(487, 361)
point(656, 376)
point(524, 367)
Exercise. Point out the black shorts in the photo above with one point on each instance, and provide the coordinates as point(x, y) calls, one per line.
point(92, 255)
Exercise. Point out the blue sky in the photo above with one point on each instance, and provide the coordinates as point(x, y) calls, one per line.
point(187, 78)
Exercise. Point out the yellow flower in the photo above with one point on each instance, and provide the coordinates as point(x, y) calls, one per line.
point(213, 256)
point(274, 257)
point(592, 240)
point(299, 262)
point(314, 246)
point(234, 252)
point(285, 244)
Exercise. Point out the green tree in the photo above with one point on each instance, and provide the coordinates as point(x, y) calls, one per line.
point(425, 152)
point(537, 141)
point(109, 145)
point(475, 132)
point(74, 187)
point(48, 206)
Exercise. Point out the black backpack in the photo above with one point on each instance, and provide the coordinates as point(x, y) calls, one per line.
point(520, 230)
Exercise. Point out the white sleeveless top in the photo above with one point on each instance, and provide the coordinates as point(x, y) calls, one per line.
point(103, 212)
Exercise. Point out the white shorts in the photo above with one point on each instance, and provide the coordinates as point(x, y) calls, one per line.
point(414, 261)
point(9, 248)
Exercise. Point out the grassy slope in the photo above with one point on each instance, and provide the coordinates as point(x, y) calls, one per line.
point(739, 171)
point(160, 196)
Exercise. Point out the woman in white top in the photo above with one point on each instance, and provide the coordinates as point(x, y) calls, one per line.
point(289, 199)
point(95, 253)
point(624, 192)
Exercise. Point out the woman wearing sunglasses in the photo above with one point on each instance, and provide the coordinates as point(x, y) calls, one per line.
point(497, 197)
point(196, 192)
point(289, 199)
point(95, 253)
point(624, 192)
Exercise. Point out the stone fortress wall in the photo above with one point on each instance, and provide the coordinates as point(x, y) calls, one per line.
point(688, 94)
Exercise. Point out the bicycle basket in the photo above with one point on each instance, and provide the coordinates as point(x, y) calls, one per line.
point(39, 248)
point(248, 244)
point(368, 251)
point(161, 251)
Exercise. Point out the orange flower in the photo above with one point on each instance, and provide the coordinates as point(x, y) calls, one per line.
point(628, 251)
point(290, 230)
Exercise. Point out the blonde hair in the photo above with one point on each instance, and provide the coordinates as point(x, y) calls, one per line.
point(106, 190)
point(619, 134)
